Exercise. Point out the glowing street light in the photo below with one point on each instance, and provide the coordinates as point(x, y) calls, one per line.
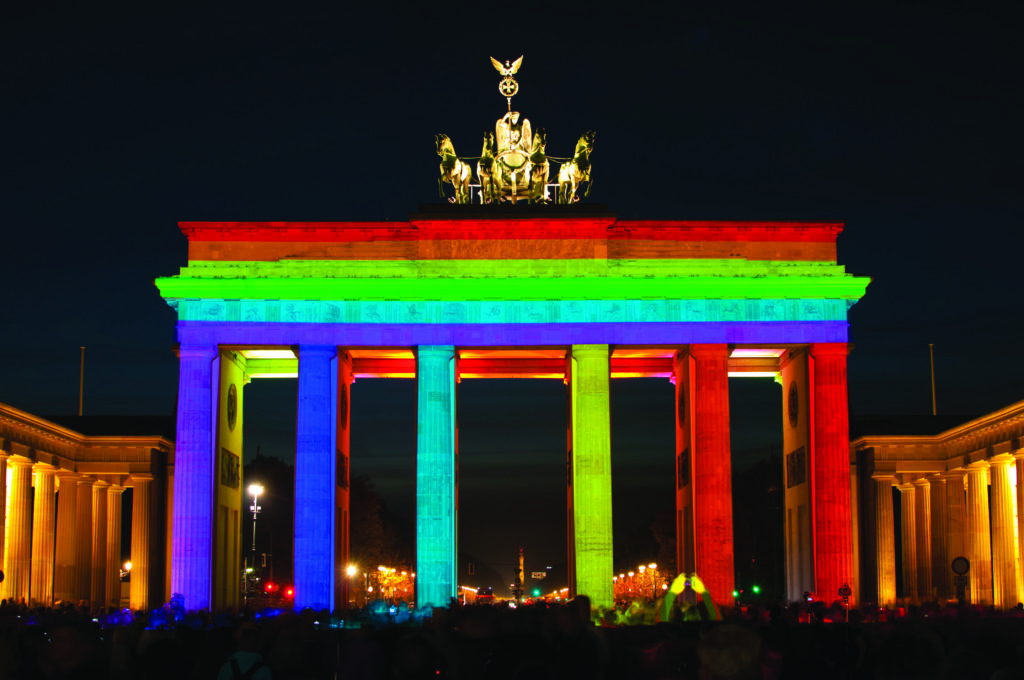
point(254, 490)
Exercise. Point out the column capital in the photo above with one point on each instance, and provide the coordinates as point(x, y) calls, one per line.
point(115, 488)
point(313, 351)
point(1001, 459)
point(922, 482)
point(197, 351)
point(955, 473)
point(885, 477)
point(709, 350)
point(838, 349)
point(978, 466)
point(18, 461)
point(100, 483)
point(139, 477)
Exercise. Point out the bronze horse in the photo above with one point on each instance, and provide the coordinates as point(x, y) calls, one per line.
point(576, 171)
point(453, 170)
point(539, 167)
point(485, 170)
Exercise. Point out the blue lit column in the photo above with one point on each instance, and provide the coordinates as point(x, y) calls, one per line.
point(191, 566)
point(315, 478)
point(435, 476)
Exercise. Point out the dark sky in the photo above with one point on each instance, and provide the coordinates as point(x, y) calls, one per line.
point(904, 122)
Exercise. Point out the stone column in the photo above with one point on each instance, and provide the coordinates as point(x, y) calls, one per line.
point(435, 476)
point(956, 517)
point(315, 480)
point(192, 558)
point(83, 541)
point(98, 588)
point(3, 506)
point(830, 471)
point(1019, 464)
point(592, 473)
point(113, 588)
point(342, 582)
point(712, 471)
point(142, 490)
point(942, 575)
point(923, 527)
point(43, 517)
point(908, 540)
point(979, 549)
point(1004, 534)
point(65, 580)
point(18, 541)
point(885, 541)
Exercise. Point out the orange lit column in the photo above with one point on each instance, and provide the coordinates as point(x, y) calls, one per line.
point(908, 540)
point(98, 587)
point(885, 541)
point(830, 471)
point(1004, 539)
point(138, 593)
point(83, 541)
point(3, 506)
point(923, 527)
point(956, 521)
point(712, 471)
point(65, 579)
point(18, 546)
point(1019, 463)
point(341, 520)
point(979, 549)
point(114, 492)
point(43, 516)
point(942, 580)
point(684, 469)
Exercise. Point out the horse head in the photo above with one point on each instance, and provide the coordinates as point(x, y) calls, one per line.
point(488, 149)
point(444, 145)
point(540, 139)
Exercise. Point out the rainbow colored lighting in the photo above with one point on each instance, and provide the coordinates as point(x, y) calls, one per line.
point(443, 284)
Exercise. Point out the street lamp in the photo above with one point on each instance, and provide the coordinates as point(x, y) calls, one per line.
point(254, 490)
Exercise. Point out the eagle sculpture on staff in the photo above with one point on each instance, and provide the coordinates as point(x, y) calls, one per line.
point(507, 70)
point(508, 85)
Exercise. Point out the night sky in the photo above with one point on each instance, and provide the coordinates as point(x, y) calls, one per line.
point(904, 123)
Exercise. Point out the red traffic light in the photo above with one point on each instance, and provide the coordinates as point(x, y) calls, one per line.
point(289, 592)
point(271, 587)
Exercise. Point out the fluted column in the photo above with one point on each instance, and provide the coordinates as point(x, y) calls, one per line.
point(114, 492)
point(142, 490)
point(830, 470)
point(83, 541)
point(98, 587)
point(712, 471)
point(979, 548)
point(192, 543)
point(885, 541)
point(942, 580)
point(18, 541)
point(592, 473)
point(44, 509)
point(1004, 534)
point(923, 527)
point(1019, 491)
point(956, 516)
point(65, 578)
point(435, 476)
point(908, 532)
point(3, 506)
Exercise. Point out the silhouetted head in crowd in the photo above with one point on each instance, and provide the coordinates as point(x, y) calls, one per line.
point(729, 652)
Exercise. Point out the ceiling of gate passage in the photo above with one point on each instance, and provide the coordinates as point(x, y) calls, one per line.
point(514, 362)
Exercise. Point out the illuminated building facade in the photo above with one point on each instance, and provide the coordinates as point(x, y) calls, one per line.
point(54, 476)
point(961, 494)
point(556, 293)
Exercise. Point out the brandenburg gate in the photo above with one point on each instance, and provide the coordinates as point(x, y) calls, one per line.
point(559, 292)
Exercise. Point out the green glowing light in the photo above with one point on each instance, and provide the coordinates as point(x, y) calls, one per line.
point(592, 473)
point(756, 589)
point(514, 280)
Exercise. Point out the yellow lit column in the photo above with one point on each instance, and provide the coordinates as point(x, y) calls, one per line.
point(956, 515)
point(942, 574)
point(1019, 491)
point(885, 541)
point(908, 540)
point(114, 492)
point(979, 549)
point(98, 587)
point(923, 528)
point(1004, 538)
point(43, 516)
point(142, 488)
point(65, 578)
point(83, 546)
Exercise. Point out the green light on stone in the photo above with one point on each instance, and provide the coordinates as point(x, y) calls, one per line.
point(592, 473)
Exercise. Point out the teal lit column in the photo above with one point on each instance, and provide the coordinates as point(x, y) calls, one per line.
point(435, 476)
point(592, 473)
point(315, 478)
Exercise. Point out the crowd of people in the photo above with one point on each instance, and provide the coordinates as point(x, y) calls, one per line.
point(686, 638)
